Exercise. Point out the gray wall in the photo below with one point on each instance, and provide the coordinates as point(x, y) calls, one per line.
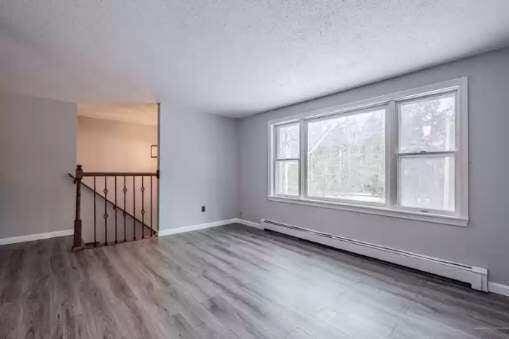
point(37, 148)
point(485, 242)
point(199, 165)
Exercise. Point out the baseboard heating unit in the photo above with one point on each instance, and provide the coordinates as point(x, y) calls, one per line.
point(477, 277)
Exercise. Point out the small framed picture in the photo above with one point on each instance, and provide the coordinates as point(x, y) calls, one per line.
point(154, 151)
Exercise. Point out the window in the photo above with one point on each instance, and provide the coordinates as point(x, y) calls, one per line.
point(403, 155)
point(346, 157)
point(427, 152)
point(287, 162)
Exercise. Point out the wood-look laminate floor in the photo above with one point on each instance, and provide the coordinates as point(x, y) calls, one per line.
point(230, 282)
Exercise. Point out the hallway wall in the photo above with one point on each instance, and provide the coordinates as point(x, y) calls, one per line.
point(107, 145)
point(199, 166)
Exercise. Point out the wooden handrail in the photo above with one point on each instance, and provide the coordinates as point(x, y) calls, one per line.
point(121, 174)
point(80, 174)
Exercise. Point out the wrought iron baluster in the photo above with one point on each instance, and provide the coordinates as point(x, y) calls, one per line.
point(124, 190)
point(157, 201)
point(95, 214)
point(117, 203)
point(151, 209)
point(142, 207)
point(134, 207)
point(105, 210)
point(115, 209)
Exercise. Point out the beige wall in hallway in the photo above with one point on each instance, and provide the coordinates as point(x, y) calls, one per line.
point(116, 146)
point(107, 145)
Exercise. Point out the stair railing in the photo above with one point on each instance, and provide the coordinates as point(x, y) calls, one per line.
point(120, 180)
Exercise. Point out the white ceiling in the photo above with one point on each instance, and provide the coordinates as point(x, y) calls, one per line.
point(231, 57)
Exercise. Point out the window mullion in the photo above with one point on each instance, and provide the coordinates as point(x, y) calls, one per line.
point(272, 159)
point(303, 159)
point(462, 154)
point(391, 137)
point(423, 154)
point(287, 159)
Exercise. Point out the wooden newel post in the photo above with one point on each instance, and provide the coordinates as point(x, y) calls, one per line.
point(78, 241)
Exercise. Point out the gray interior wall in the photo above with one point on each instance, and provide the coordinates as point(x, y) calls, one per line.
point(37, 148)
point(199, 165)
point(485, 242)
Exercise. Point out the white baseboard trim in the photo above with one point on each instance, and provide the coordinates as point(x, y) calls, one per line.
point(190, 228)
point(477, 277)
point(38, 236)
point(498, 288)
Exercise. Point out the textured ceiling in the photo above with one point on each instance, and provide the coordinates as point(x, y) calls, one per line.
point(231, 57)
point(144, 114)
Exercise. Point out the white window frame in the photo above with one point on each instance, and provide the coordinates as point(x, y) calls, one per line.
point(391, 207)
point(276, 159)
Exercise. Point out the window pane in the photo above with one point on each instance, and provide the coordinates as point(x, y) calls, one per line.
point(287, 177)
point(427, 124)
point(288, 141)
point(427, 182)
point(346, 157)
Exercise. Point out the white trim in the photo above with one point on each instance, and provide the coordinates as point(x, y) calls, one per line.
point(376, 210)
point(498, 288)
point(183, 229)
point(303, 156)
point(270, 155)
point(477, 277)
point(391, 206)
point(37, 236)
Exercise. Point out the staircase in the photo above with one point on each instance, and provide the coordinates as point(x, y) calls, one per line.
point(114, 207)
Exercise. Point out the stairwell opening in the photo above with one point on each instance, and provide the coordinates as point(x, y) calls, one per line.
point(117, 147)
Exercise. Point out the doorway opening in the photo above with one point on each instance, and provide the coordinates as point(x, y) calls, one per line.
point(117, 150)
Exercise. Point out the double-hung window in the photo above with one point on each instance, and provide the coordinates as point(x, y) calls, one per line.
point(287, 160)
point(402, 155)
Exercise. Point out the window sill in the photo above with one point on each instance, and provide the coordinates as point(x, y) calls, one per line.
point(377, 210)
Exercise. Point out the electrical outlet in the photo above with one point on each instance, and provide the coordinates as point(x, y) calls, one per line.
point(203, 208)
